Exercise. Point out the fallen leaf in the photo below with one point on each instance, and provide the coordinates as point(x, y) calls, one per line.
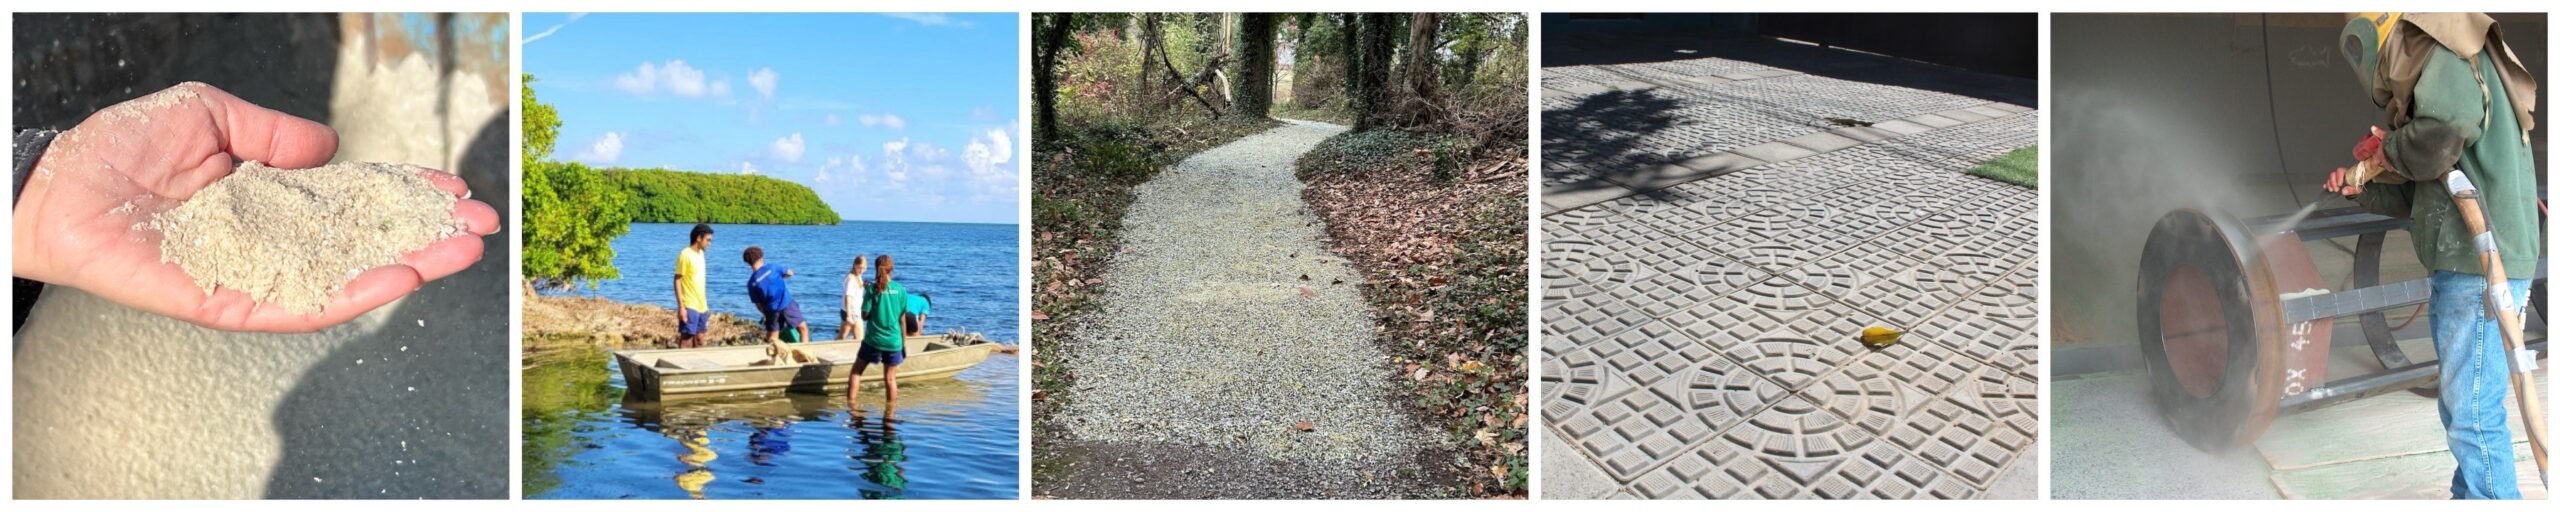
point(1307, 292)
point(1038, 316)
point(1306, 426)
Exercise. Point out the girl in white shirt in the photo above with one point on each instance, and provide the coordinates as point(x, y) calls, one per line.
point(848, 323)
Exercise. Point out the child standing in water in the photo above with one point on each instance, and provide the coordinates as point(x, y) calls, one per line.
point(883, 339)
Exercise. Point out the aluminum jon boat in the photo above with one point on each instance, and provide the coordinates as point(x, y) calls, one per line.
point(712, 371)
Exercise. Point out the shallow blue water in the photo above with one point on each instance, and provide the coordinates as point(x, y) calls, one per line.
point(953, 438)
point(970, 269)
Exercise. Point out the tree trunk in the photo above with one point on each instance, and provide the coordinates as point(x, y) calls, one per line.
point(1151, 39)
point(1350, 55)
point(1044, 80)
point(1255, 64)
point(1422, 71)
point(1377, 51)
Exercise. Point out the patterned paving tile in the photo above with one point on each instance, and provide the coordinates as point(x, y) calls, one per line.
point(1699, 337)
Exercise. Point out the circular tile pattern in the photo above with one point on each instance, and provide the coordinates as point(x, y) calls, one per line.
point(1580, 269)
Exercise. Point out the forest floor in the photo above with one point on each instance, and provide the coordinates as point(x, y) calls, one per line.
point(1439, 229)
point(1232, 354)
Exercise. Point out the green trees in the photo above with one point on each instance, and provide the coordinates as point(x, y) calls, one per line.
point(661, 195)
point(572, 214)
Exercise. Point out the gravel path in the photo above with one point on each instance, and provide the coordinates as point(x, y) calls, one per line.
point(1226, 325)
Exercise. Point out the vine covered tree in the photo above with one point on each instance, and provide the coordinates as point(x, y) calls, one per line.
point(1371, 94)
point(1255, 63)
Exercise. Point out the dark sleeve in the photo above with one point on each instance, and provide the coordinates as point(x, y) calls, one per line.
point(2447, 119)
point(2390, 199)
point(24, 150)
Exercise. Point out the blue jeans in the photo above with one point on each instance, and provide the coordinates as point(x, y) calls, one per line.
point(2473, 374)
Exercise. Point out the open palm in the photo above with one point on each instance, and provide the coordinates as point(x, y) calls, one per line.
point(75, 219)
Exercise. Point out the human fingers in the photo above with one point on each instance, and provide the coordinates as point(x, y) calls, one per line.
point(444, 257)
point(477, 217)
point(251, 132)
point(447, 182)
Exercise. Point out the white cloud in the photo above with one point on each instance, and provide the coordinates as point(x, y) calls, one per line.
point(893, 163)
point(747, 168)
point(835, 120)
point(790, 149)
point(763, 79)
point(848, 170)
point(992, 174)
point(890, 121)
point(604, 150)
point(674, 76)
point(930, 19)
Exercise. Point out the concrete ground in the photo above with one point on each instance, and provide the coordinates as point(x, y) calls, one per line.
point(1720, 223)
point(2109, 443)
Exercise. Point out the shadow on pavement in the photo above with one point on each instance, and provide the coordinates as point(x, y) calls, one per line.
point(1605, 130)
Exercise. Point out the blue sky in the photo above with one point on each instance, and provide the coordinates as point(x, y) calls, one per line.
point(908, 117)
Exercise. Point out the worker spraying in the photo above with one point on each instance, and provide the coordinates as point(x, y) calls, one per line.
point(2457, 105)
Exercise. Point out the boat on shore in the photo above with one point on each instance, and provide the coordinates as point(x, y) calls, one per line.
point(661, 374)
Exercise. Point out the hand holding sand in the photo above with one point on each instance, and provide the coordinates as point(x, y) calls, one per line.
point(91, 215)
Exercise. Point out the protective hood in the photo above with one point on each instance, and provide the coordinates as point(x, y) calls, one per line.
point(2388, 50)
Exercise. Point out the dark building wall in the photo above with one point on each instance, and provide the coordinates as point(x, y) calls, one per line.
point(2002, 43)
point(1708, 23)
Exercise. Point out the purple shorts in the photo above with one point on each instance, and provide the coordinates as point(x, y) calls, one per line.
point(691, 322)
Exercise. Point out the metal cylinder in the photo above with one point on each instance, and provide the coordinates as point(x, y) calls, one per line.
point(2211, 318)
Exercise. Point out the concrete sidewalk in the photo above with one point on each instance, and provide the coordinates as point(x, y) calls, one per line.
point(2110, 443)
point(1718, 229)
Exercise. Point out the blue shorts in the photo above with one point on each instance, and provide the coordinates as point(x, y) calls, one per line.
point(891, 358)
point(692, 322)
point(787, 318)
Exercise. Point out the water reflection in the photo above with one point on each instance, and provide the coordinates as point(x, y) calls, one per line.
point(697, 456)
point(953, 438)
point(879, 452)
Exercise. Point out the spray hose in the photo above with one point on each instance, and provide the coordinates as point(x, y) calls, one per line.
point(2466, 198)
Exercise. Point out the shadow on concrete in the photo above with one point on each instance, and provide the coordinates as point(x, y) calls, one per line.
point(1605, 131)
point(417, 409)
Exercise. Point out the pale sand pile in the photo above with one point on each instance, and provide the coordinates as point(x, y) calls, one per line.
point(294, 238)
